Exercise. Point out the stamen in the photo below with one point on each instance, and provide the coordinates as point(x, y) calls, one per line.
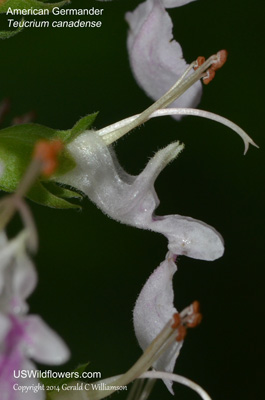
point(182, 85)
point(221, 59)
point(182, 332)
point(196, 306)
point(174, 330)
point(216, 64)
point(177, 320)
point(209, 75)
point(200, 60)
point(188, 318)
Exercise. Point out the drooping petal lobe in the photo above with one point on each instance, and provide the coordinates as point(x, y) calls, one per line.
point(156, 59)
point(132, 199)
point(18, 276)
point(24, 338)
point(45, 345)
point(153, 309)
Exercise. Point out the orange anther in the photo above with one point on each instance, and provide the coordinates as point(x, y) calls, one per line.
point(210, 74)
point(182, 331)
point(194, 321)
point(47, 153)
point(222, 57)
point(196, 306)
point(176, 323)
point(200, 60)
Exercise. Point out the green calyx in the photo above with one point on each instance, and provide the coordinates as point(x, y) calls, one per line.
point(16, 148)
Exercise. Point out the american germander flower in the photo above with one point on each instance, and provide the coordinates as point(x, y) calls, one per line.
point(162, 336)
point(154, 308)
point(132, 199)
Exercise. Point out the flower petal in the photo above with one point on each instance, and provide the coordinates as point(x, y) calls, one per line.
point(156, 59)
point(8, 380)
point(44, 345)
point(153, 309)
point(4, 326)
point(24, 282)
point(38, 393)
point(175, 3)
point(18, 277)
point(132, 199)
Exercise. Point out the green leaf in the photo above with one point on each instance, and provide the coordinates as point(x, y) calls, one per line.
point(27, 4)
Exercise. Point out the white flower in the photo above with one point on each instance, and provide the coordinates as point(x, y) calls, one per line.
point(132, 199)
point(23, 338)
point(18, 277)
point(156, 59)
point(153, 309)
point(175, 3)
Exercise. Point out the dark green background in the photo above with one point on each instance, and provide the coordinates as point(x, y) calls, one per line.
point(92, 268)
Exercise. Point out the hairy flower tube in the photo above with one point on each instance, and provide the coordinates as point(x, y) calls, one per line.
point(132, 199)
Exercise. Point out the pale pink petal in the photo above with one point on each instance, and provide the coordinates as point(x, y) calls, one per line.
point(153, 309)
point(10, 381)
point(24, 281)
point(4, 327)
point(43, 344)
point(18, 277)
point(156, 59)
point(132, 199)
point(29, 382)
point(175, 3)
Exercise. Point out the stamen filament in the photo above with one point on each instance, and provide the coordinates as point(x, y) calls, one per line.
point(147, 389)
point(183, 84)
point(174, 330)
point(141, 365)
